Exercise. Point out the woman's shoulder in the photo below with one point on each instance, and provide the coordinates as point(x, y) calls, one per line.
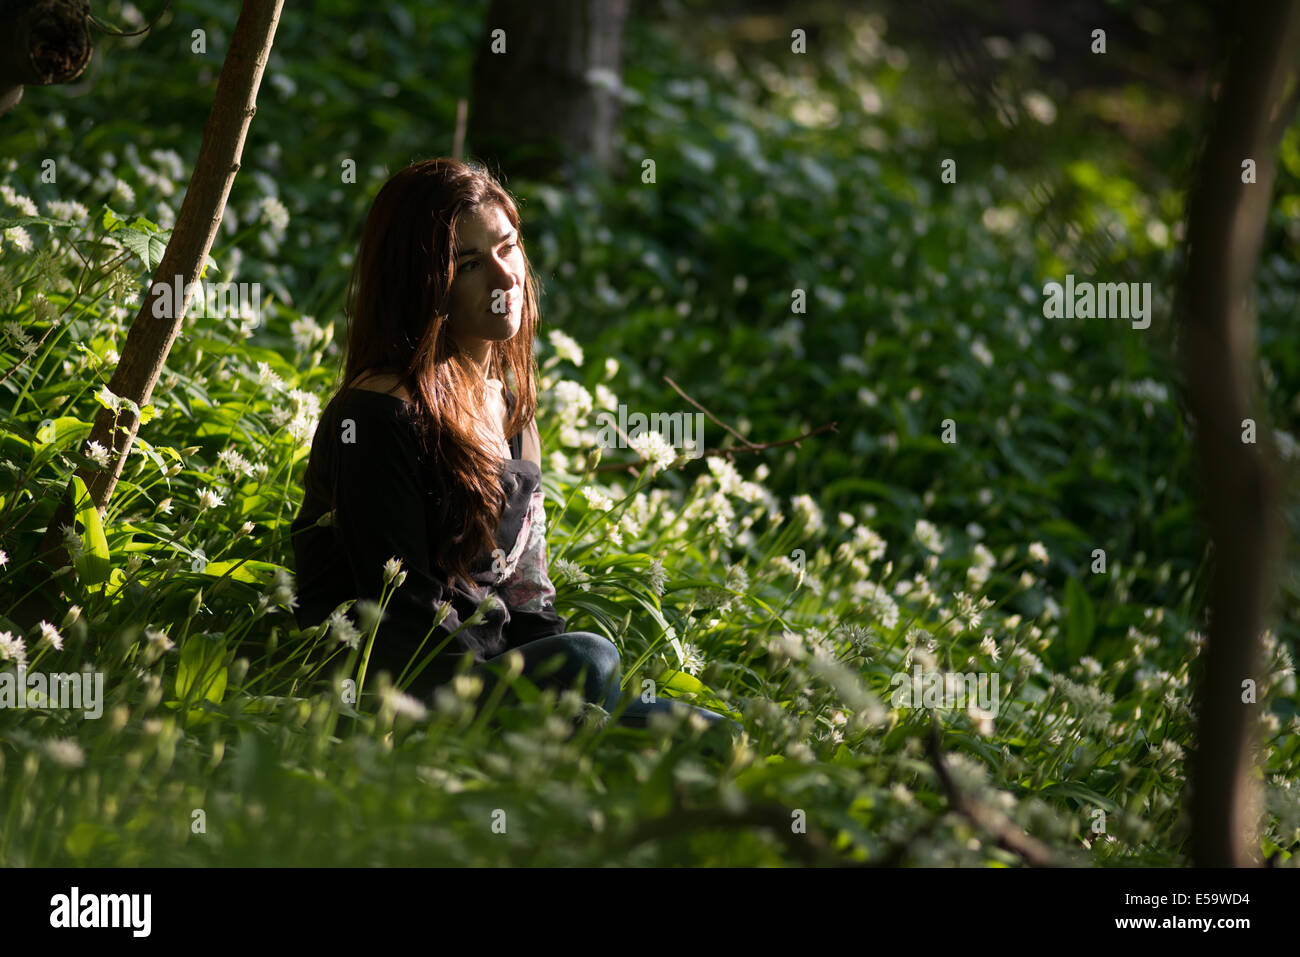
point(397, 414)
point(383, 383)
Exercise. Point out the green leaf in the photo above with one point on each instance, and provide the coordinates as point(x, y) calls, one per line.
point(253, 572)
point(94, 561)
point(10, 222)
point(1080, 621)
point(148, 246)
point(111, 221)
point(202, 671)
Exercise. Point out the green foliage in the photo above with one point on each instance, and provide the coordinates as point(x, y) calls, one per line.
point(792, 589)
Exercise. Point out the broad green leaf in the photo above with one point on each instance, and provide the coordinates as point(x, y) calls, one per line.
point(253, 572)
point(94, 561)
point(1080, 621)
point(201, 674)
point(148, 246)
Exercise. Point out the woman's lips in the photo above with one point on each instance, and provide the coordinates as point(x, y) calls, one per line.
point(510, 307)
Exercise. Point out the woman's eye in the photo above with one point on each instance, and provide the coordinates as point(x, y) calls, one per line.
point(465, 266)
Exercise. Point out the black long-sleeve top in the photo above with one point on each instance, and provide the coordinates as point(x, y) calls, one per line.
point(371, 473)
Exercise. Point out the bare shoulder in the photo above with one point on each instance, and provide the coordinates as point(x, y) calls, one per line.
point(384, 382)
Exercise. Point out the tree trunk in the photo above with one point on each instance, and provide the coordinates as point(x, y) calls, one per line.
point(42, 42)
point(1240, 493)
point(150, 337)
point(539, 105)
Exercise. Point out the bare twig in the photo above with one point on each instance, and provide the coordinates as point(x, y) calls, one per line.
point(712, 418)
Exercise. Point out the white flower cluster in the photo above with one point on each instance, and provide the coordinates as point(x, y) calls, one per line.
point(300, 416)
point(654, 448)
point(67, 209)
point(13, 648)
point(572, 401)
point(566, 570)
point(276, 215)
point(1091, 705)
point(232, 461)
point(97, 453)
point(929, 536)
point(17, 200)
point(978, 573)
point(565, 346)
point(880, 605)
point(657, 577)
point(808, 513)
point(305, 332)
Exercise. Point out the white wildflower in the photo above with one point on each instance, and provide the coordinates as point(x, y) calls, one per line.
point(276, 214)
point(392, 569)
point(231, 460)
point(405, 704)
point(652, 447)
point(808, 512)
point(19, 237)
point(879, 605)
point(305, 332)
point(13, 648)
point(209, 499)
point(573, 401)
point(98, 453)
point(692, 661)
point(655, 573)
point(266, 376)
point(17, 200)
point(65, 752)
point(51, 634)
point(565, 346)
point(596, 498)
point(929, 536)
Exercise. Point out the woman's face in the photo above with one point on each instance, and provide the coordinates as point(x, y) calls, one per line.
point(486, 299)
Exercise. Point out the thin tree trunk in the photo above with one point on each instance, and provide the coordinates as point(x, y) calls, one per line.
point(41, 42)
point(1226, 220)
point(150, 337)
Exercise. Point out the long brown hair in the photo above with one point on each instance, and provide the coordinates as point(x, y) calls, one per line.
point(397, 318)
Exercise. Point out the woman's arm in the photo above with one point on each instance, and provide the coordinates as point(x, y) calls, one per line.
point(380, 513)
point(532, 444)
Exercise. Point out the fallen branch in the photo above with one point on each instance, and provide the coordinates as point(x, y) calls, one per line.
point(1004, 831)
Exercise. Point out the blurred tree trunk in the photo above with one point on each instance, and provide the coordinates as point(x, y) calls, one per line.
point(41, 42)
point(1240, 482)
point(540, 100)
point(150, 337)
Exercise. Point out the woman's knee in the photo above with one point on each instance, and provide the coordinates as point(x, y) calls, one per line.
point(601, 658)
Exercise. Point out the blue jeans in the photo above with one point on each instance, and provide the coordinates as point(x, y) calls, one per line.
point(559, 661)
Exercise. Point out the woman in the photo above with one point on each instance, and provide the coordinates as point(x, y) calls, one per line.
point(425, 454)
